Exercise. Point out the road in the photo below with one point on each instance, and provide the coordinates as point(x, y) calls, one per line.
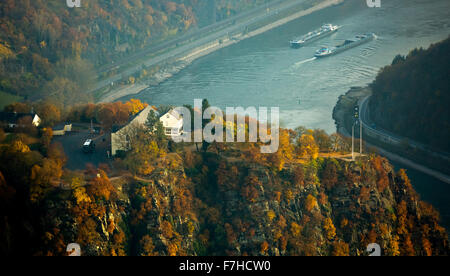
point(229, 27)
point(393, 139)
point(186, 37)
point(76, 158)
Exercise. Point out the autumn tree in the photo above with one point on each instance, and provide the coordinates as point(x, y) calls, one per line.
point(63, 91)
point(284, 153)
point(330, 230)
point(18, 107)
point(87, 233)
point(264, 247)
point(100, 187)
point(322, 140)
point(2, 135)
point(408, 247)
point(81, 195)
point(147, 246)
point(329, 174)
point(56, 153)
point(42, 178)
point(311, 203)
point(25, 125)
point(338, 143)
point(49, 113)
point(19, 146)
point(296, 229)
point(166, 229)
point(340, 248)
point(393, 246)
point(250, 190)
point(106, 116)
point(140, 160)
point(299, 176)
point(46, 137)
point(307, 147)
point(135, 106)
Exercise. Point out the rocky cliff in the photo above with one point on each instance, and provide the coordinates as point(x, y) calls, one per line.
point(212, 205)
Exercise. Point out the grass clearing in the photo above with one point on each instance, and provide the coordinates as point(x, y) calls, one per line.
point(6, 98)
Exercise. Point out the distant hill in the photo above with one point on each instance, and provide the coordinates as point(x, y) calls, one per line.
point(411, 96)
point(50, 50)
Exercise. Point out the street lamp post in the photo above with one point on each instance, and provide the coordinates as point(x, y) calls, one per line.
point(353, 141)
point(360, 138)
point(356, 119)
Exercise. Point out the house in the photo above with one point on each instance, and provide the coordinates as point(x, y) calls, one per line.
point(120, 137)
point(61, 130)
point(173, 123)
point(13, 119)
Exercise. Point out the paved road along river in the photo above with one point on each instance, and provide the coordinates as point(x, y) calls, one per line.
point(264, 71)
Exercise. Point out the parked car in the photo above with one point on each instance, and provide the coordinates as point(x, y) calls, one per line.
point(88, 146)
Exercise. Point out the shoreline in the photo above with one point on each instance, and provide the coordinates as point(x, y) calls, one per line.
point(343, 110)
point(171, 69)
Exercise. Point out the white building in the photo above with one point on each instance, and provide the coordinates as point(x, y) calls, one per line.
point(14, 119)
point(62, 132)
point(172, 122)
point(36, 120)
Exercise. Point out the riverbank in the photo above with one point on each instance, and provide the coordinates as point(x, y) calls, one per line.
point(173, 65)
point(343, 116)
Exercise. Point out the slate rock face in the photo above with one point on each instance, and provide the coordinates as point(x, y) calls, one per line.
point(242, 208)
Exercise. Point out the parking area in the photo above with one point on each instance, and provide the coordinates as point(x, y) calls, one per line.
point(73, 148)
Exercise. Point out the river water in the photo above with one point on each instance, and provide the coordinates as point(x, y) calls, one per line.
point(265, 71)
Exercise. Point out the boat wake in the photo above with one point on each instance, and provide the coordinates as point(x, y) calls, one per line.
point(304, 61)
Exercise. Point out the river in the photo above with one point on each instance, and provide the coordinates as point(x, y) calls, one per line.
point(265, 71)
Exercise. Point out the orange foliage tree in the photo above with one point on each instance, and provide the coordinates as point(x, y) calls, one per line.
point(100, 187)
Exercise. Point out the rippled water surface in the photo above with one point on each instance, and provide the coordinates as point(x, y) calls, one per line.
point(264, 71)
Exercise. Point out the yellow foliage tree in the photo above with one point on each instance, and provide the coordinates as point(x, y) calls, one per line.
point(311, 203)
point(81, 195)
point(5, 51)
point(296, 229)
point(135, 106)
point(172, 249)
point(307, 147)
point(270, 215)
point(41, 178)
point(19, 146)
point(100, 187)
point(329, 228)
point(393, 249)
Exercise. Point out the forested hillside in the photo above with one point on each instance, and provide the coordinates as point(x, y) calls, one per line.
point(48, 50)
point(411, 96)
